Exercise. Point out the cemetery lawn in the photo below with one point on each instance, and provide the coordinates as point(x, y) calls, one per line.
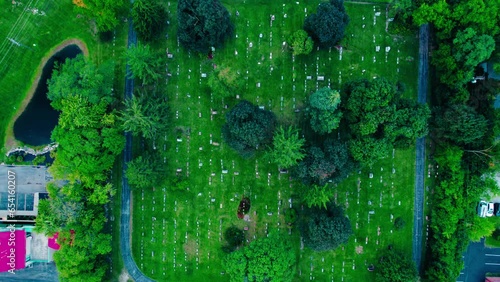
point(37, 35)
point(178, 234)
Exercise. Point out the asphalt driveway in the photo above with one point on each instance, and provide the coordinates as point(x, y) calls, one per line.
point(478, 261)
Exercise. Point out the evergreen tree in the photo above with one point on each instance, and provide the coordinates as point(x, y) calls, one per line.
point(325, 229)
point(150, 19)
point(327, 25)
point(203, 24)
point(323, 109)
point(247, 127)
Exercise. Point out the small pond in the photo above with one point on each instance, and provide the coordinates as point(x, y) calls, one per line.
point(36, 123)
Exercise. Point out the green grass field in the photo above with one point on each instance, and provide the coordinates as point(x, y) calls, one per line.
point(178, 235)
point(38, 26)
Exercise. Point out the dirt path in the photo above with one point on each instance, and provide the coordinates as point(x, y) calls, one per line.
point(10, 141)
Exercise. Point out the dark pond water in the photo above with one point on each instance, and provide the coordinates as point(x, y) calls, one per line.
point(36, 123)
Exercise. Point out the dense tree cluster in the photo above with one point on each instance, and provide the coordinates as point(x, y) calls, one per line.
point(203, 24)
point(379, 118)
point(330, 161)
point(89, 137)
point(247, 127)
point(150, 19)
point(327, 25)
point(325, 229)
point(465, 32)
point(396, 266)
point(265, 259)
point(465, 125)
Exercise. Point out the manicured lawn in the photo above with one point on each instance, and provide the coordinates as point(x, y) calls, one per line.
point(178, 235)
point(38, 31)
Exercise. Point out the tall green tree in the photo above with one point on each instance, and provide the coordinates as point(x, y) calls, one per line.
point(288, 147)
point(323, 110)
point(145, 64)
point(301, 42)
point(145, 115)
point(317, 196)
point(247, 127)
point(150, 19)
point(471, 48)
point(396, 266)
point(327, 25)
point(460, 124)
point(105, 13)
point(265, 259)
point(325, 229)
point(322, 164)
point(145, 171)
point(203, 24)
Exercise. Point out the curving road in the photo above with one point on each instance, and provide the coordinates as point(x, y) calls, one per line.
point(125, 219)
point(418, 220)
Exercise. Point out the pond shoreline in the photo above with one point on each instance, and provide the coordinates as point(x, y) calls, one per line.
point(10, 142)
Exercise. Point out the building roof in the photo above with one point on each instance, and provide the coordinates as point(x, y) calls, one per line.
point(16, 250)
point(492, 279)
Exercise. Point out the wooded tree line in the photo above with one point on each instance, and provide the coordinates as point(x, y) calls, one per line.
point(89, 138)
point(464, 124)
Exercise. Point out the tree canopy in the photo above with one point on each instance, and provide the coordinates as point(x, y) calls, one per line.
point(203, 24)
point(145, 171)
point(379, 118)
point(83, 78)
point(265, 259)
point(301, 42)
point(323, 110)
point(287, 147)
point(325, 229)
point(322, 164)
point(460, 124)
point(248, 127)
point(150, 19)
point(146, 115)
point(145, 64)
point(105, 13)
point(317, 196)
point(327, 25)
point(396, 266)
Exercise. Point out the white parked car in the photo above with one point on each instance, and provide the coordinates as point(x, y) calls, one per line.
point(490, 209)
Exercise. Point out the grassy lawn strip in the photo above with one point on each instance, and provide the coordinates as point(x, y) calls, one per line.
point(177, 235)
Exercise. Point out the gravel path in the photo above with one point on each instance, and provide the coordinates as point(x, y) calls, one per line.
point(418, 220)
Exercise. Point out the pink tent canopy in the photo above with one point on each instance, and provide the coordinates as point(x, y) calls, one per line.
point(53, 242)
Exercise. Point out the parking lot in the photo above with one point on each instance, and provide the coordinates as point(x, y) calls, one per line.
point(479, 260)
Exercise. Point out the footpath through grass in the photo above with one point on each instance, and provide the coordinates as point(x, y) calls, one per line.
point(178, 235)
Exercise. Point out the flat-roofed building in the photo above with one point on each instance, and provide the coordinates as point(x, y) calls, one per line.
point(29, 186)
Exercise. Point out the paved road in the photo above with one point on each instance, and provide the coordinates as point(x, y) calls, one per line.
point(125, 242)
point(418, 217)
point(478, 261)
